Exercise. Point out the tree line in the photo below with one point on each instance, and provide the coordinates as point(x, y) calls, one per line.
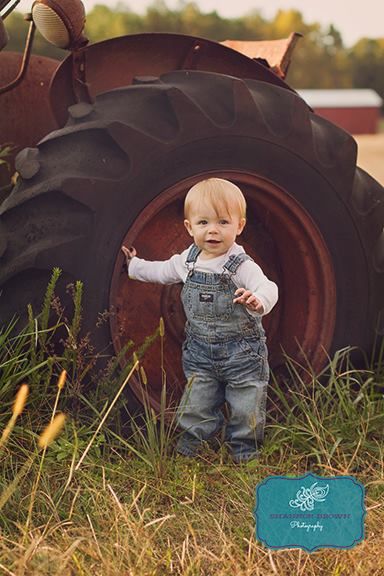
point(321, 59)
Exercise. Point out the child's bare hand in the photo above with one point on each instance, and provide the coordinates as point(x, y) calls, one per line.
point(248, 299)
point(129, 252)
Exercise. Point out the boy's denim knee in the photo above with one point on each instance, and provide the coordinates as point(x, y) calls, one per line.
point(199, 411)
point(219, 373)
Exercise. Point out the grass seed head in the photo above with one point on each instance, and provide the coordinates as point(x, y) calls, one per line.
point(20, 400)
point(62, 379)
point(51, 431)
point(143, 375)
point(161, 327)
point(252, 422)
point(136, 361)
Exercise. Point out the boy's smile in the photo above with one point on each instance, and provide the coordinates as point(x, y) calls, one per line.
point(213, 233)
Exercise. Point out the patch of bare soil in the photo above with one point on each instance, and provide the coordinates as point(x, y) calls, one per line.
point(370, 154)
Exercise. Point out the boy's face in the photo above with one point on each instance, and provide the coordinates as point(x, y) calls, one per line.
point(214, 234)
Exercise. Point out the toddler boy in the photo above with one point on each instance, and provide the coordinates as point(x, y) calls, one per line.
point(225, 295)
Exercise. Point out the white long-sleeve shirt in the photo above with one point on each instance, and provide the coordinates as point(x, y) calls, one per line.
point(249, 275)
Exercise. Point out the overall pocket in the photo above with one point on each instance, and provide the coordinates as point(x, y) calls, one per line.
point(257, 349)
point(207, 301)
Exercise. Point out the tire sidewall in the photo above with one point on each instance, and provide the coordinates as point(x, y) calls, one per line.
point(268, 160)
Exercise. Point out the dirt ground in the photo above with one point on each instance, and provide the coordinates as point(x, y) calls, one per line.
point(370, 155)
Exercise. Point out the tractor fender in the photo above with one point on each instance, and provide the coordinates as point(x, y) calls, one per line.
point(114, 63)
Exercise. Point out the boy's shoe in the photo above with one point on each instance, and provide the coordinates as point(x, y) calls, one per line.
point(190, 448)
point(243, 452)
point(245, 457)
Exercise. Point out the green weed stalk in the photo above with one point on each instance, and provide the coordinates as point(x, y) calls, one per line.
point(331, 419)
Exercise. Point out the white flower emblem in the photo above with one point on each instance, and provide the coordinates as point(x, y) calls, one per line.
point(306, 497)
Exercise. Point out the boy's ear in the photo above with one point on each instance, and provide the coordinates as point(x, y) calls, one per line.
point(188, 226)
point(240, 228)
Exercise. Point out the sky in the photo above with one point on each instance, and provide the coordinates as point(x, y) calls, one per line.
point(353, 18)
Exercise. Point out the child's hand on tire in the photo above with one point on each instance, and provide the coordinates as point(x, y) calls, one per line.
point(129, 252)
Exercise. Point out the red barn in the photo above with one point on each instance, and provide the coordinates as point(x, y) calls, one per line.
point(357, 110)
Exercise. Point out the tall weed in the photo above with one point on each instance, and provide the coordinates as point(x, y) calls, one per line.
point(334, 418)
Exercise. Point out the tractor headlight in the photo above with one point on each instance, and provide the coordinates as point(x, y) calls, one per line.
point(60, 22)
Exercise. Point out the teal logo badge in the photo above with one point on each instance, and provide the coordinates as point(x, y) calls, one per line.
point(310, 512)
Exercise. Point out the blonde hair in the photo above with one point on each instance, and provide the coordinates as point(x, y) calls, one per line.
point(219, 193)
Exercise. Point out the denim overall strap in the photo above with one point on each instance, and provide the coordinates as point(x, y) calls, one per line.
point(192, 255)
point(234, 262)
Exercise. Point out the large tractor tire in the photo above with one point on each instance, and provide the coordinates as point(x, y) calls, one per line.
point(117, 173)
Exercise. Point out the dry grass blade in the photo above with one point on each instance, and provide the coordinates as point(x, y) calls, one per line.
point(119, 505)
point(157, 520)
point(94, 535)
point(134, 367)
point(6, 571)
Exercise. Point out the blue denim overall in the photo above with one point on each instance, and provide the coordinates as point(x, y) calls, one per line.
point(224, 359)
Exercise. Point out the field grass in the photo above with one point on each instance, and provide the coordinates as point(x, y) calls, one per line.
point(95, 499)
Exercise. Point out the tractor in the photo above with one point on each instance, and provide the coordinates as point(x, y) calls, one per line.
point(109, 141)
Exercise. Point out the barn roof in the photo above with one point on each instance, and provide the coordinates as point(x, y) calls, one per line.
point(342, 98)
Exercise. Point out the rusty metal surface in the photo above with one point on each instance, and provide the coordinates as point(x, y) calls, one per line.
point(277, 53)
point(25, 111)
point(24, 63)
point(114, 63)
point(3, 35)
point(306, 310)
